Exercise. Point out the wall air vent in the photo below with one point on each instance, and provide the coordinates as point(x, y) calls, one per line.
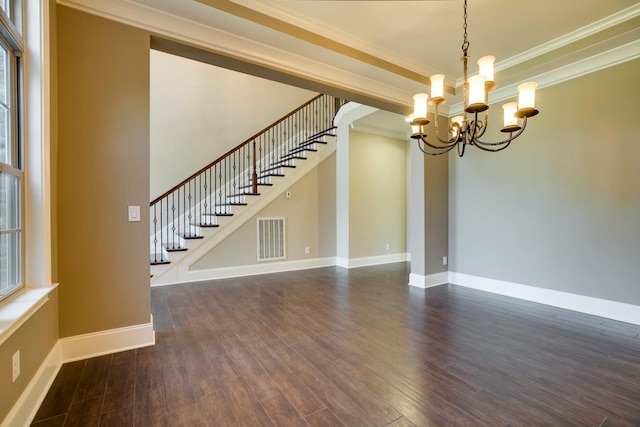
point(271, 239)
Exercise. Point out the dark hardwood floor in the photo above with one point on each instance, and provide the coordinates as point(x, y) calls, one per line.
point(336, 347)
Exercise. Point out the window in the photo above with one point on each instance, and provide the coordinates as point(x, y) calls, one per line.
point(11, 175)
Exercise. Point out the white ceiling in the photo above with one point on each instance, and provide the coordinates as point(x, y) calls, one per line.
point(385, 50)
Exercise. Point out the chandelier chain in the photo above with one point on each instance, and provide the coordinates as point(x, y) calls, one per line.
point(465, 43)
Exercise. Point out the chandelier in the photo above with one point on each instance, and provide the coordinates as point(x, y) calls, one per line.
point(469, 128)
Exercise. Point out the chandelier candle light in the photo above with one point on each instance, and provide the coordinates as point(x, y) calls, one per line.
point(468, 129)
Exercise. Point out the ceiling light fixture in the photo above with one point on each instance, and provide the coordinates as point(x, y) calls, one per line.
point(468, 129)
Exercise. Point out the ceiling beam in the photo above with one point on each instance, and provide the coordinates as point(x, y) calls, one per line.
point(299, 33)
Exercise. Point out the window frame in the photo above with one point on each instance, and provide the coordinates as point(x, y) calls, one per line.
point(12, 41)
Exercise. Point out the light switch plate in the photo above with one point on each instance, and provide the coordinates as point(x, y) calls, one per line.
point(134, 213)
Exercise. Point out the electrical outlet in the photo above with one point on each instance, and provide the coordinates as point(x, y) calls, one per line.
point(307, 250)
point(386, 246)
point(15, 363)
point(444, 260)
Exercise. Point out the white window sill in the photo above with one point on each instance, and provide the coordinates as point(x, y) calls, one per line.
point(20, 308)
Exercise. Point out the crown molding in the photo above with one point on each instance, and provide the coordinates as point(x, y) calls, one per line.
point(581, 33)
point(566, 39)
point(600, 61)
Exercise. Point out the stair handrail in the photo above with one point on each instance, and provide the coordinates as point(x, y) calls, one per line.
point(238, 147)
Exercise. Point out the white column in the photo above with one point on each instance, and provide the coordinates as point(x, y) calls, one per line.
point(416, 234)
point(349, 113)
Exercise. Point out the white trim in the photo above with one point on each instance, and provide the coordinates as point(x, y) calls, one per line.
point(15, 312)
point(372, 260)
point(597, 62)
point(596, 306)
point(566, 39)
point(24, 410)
point(246, 270)
point(105, 342)
point(68, 350)
point(420, 281)
point(37, 128)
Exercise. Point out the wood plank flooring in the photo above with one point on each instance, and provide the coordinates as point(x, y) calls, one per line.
point(336, 347)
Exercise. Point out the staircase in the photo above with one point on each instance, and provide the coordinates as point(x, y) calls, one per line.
point(205, 208)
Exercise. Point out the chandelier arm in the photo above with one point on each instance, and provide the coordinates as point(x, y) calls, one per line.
point(447, 144)
point(461, 150)
point(511, 137)
point(444, 150)
point(494, 150)
point(484, 124)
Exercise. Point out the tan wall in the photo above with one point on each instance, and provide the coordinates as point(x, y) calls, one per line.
point(103, 166)
point(378, 195)
point(310, 222)
point(559, 208)
point(35, 339)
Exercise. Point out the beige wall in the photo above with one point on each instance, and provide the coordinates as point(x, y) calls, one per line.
point(103, 166)
point(310, 222)
point(35, 339)
point(560, 208)
point(377, 195)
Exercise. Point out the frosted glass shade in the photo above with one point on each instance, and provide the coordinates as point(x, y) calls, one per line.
point(485, 66)
point(420, 105)
point(527, 95)
point(437, 86)
point(509, 114)
point(476, 89)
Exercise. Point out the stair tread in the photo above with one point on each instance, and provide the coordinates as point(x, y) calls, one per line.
point(279, 166)
point(192, 237)
point(159, 262)
point(180, 249)
point(243, 194)
point(302, 149)
point(259, 184)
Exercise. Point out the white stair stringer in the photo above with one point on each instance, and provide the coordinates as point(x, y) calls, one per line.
point(178, 271)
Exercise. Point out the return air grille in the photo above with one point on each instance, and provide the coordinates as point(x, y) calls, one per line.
point(271, 239)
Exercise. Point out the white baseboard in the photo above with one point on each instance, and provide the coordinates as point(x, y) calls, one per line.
point(420, 281)
point(25, 409)
point(596, 306)
point(373, 260)
point(104, 342)
point(68, 350)
point(246, 270)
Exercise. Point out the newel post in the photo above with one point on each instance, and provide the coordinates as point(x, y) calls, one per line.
point(254, 176)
